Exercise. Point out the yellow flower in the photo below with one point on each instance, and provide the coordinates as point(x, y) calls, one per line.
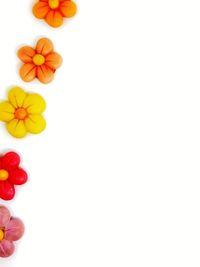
point(22, 113)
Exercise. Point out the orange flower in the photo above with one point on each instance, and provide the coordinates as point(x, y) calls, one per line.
point(53, 11)
point(40, 62)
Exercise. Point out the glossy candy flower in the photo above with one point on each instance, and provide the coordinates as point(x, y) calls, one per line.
point(11, 174)
point(22, 113)
point(40, 62)
point(53, 11)
point(11, 229)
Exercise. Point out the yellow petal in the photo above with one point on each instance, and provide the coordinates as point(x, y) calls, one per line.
point(16, 97)
point(16, 128)
point(34, 103)
point(35, 124)
point(6, 111)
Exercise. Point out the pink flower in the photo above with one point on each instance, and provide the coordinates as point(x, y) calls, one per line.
point(11, 229)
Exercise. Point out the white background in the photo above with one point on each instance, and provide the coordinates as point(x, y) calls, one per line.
point(115, 178)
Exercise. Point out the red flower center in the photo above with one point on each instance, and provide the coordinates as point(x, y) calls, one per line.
point(3, 175)
point(21, 114)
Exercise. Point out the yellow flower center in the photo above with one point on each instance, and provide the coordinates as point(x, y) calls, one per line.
point(1, 234)
point(38, 59)
point(21, 113)
point(54, 4)
point(3, 175)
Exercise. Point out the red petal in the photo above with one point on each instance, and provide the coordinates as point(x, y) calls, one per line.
point(18, 176)
point(7, 190)
point(10, 161)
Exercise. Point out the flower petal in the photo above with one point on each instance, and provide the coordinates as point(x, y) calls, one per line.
point(44, 46)
point(10, 161)
point(16, 128)
point(68, 8)
point(7, 190)
point(7, 248)
point(28, 72)
point(6, 111)
point(4, 216)
point(16, 97)
point(35, 104)
point(35, 124)
point(18, 176)
point(54, 18)
point(41, 9)
point(26, 54)
point(53, 60)
point(45, 74)
point(14, 229)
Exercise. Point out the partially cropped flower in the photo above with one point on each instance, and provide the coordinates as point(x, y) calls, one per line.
point(40, 62)
point(11, 174)
point(22, 113)
point(53, 11)
point(11, 229)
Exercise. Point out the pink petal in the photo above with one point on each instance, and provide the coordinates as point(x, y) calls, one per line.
point(14, 229)
point(4, 216)
point(6, 248)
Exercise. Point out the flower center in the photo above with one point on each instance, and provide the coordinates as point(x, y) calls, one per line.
point(3, 177)
point(54, 4)
point(21, 114)
point(1, 234)
point(38, 59)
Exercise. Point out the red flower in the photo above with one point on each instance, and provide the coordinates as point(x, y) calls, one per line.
point(10, 174)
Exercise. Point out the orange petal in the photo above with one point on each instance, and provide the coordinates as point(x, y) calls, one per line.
point(45, 74)
point(54, 18)
point(28, 72)
point(41, 9)
point(26, 54)
point(44, 46)
point(68, 8)
point(53, 60)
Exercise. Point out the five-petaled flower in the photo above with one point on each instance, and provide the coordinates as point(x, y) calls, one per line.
point(53, 11)
point(11, 229)
point(22, 113)
point(11, 174)
point(40, 62)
